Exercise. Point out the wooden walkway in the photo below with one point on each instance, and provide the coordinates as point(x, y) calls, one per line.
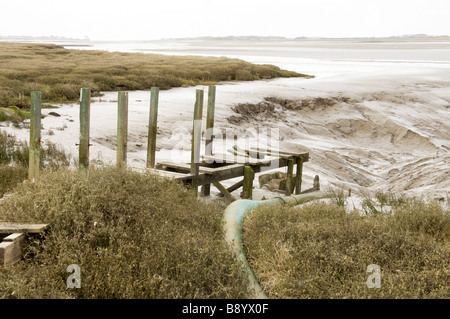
point(216, 168)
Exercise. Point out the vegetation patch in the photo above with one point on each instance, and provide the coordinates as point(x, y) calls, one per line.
point(13, 114)
point(60, 73)
point(14, 159)
point(321, 251)
point(133, 235)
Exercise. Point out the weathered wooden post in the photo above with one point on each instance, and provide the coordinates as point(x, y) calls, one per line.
point(289, 177)
point(196, 138)
point(298, 177)
point(247, 187)
point(206, 189)
point(210, 119)
point(85, 106)
point(35, 136)
point(122, 129)
point(152, 127)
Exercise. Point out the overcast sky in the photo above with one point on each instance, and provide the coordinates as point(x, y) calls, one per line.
point(149, 19)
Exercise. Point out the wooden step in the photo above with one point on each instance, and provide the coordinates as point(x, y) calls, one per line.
point(11, 248)
point(9, 228)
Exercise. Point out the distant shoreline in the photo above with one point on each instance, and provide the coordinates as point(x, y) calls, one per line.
point(414, 37)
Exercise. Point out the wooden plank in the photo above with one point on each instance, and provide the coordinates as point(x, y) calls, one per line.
point(152, 127)
point(122, 128)
point(222, 173)
point(281, 153)
point(11, 248)
point(208, 175)
point(35, 136)
point(224, 158)
point(8, 253)
point(182, 167)
point(224, 192)
point(20, 237)
point(9, 228)
point(233, 187)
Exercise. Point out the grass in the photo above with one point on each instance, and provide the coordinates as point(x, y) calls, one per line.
point(139, 236)
point(10, 177)
point(13, 114)
point(60, 73)
point(320, 251)
point(14, 159)
point(133, 236)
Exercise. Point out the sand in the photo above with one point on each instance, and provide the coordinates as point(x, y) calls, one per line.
point(368, 125)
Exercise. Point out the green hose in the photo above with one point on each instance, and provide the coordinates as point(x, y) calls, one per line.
point(234, 216)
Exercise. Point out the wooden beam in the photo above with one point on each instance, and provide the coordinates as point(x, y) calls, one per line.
point(184, 168)
point(298, 177)
point(152, 127)
point(248, 182)
point(290, 172)
point(122, 128)
point(224, 192)
point(222, 173)
point(207, 175)
point(11, 248)
point(35, 136)
point(233, 187)
point(9, 228)
point(85, 106)
point(271, 152)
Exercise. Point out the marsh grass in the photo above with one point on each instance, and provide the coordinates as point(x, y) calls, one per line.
point(14, 159)
point(13, 114)
point(337, 196)
point(10, 177)
point(60, 73)
point(320, 251)
point(133, 235)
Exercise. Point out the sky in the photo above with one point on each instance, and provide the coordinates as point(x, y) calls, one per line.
point(150, 19)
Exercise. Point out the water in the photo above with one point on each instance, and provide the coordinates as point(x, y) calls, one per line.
point(322, 58)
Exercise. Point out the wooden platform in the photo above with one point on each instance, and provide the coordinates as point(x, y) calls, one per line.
point(12, 245)
point(9, 228)
point(216, 168)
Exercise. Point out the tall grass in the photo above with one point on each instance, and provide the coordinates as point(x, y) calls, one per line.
point(133, 235)
point(59, 73)
point(14, 160)
point(320, 251)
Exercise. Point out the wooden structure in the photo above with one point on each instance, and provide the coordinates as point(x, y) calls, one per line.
point(214, 168)
point(13, 238)
point(203, 170)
